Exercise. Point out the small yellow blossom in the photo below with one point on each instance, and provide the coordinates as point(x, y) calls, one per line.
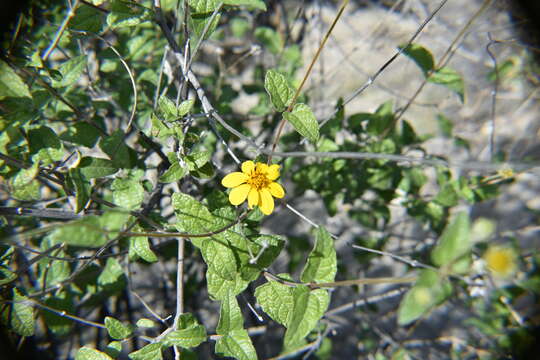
point(256, 184)
point(501, 260)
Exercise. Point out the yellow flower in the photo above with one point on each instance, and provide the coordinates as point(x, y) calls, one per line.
point(500, 260)
point(256, 184)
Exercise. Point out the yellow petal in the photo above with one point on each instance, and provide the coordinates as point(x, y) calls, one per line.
point(276, 190)
point(273, 172)
point(253, 198)
point(262, 168)
point(267, 202)
point(234, 179)
point(248, 166)
point(239, 194)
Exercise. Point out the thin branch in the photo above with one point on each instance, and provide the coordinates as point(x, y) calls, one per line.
point(60, 31)
point(365, 281)
point(372, 79)
point(306, 76)
point(493, 96)
point(442, 62)
point(465, 165)
point(179, 282)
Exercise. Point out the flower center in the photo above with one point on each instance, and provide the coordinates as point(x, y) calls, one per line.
point(258, 180)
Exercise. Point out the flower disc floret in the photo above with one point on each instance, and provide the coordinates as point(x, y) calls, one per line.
point(256, 183)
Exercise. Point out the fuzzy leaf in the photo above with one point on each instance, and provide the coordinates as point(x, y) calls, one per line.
point(116, 329)
point(11, 85)
point(149, 352)
point(139, 245)
point(451, 79)
point(236, 344)
point(454, 246)
point(278, 89)
point(92, 167)
point(421, 56)
point(71, 71)
point(89, 231)
point(428, 291)
point(309, 307)
point(45, 145)
point(321, 265)
point(86, 353)
point(127, 193)
point(81, 133)
point(82, 189)
point(230, 316)
point(304, 121)
point(124, 13)
point(21, 316)
point(276, 300)
point(189, 333)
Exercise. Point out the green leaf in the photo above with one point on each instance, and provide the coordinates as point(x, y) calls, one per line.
point(421, 56)
point(381, 120)
point(253, 4)
point(149, 352)
point(451, 79)
point(146, 323)
point(321, 264)
point(81, 133)
point(225, 253)
point(45, 145)
point(90, 231)
point(445, 125)
point(428, 291)
point(92, 167)
point(87, 18)
point(278, 89)
point(454, 247)
point(82, 189)
point(309, 307)
point(200, 22)
point(189, 333)
point(114, 146)
point(276, 300)
point(86, 353)
point(114, 349)
point(236, 344)
point(197, 160)
point(140, 246)
point(55, 271)
point(21, 316)
point(25, 186)
point(185, 107)
point(112, 279)
point(447, 195)
point(174, 173)
point(167, 107)
point(116, 329)
point(11, 85)
point(127, 193)
point(160, 130)
point(270, 39)
point(272, 245)
point(220, 286)
point(186, 338)
point(124, 13)
point(203, 6)
point(304, 121)
point(7, 276)
point(230, 316)
point(59, 325)
point(71, 71)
